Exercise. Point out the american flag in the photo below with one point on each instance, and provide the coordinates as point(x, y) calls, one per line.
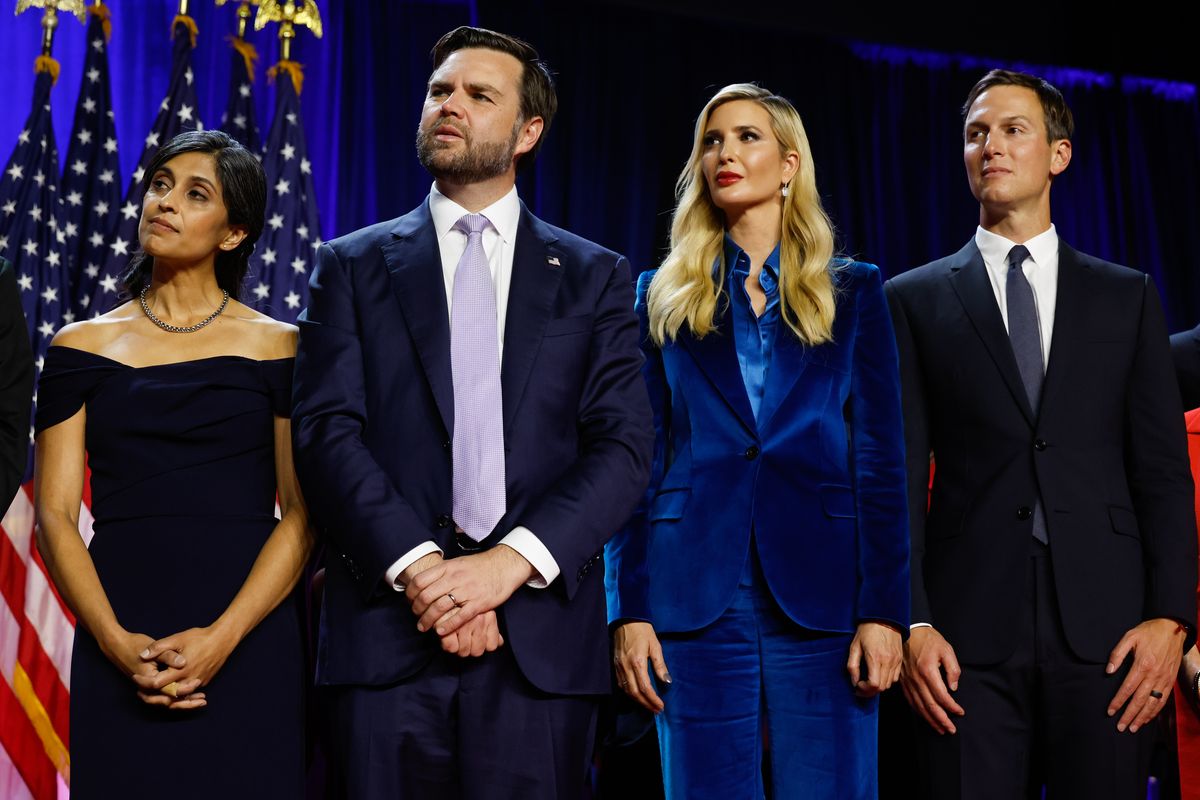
point(33, 231)
point(284, 255)
point(35, 627)
point(91, 181)
point(177, 113)
point(239, 119)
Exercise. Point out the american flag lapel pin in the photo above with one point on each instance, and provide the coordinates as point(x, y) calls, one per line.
point(553, 261)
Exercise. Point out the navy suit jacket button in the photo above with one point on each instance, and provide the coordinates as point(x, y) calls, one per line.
point(1024, 512)
point(751, 452)
point(443, 521)
point(1039, 445)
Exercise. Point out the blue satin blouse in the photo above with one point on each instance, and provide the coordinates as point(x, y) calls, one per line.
point(754, 336)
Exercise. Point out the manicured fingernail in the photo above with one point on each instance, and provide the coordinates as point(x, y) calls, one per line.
point(667, 677)
point(420, 627)
point(145, 653)
point(954, 686)
point(441, 631)
point(1133, 728)
point(1110, 668)
point(1121, 726)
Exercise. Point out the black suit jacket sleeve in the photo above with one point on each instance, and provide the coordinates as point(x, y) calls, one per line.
point(1159, 475)
point(916, 444)
point(16, 386)
point(1185, 350)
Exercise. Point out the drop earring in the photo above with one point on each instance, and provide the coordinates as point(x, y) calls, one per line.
point(784, 190)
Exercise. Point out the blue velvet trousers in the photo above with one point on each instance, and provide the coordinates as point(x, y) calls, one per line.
point(755, 681)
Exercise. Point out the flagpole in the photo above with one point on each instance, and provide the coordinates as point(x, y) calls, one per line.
point(50, 8)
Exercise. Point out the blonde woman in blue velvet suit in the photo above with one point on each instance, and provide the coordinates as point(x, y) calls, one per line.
point(767, 569)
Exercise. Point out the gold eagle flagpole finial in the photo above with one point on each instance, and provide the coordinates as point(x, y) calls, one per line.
point(50, 9)
point(289, 14)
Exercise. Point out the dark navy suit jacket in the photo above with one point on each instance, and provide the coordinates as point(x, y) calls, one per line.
point(372, 423)
point(1107, 455)
point(818, 477)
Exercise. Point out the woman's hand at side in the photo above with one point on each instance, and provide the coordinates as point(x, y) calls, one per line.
point(880, 649)
point(634, 644)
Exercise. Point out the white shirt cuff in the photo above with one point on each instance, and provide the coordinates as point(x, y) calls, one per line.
point(405, 561)
point(530, 547)
point(920, 625)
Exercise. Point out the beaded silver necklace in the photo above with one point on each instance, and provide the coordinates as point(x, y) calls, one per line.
point(166, 326)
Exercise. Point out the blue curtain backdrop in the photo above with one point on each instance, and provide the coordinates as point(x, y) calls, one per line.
point(883, 121)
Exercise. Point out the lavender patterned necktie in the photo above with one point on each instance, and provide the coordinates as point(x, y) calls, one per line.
point(478, 458)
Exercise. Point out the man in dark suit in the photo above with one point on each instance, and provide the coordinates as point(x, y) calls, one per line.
point(471, 427)
point(16, 386)
point(1054, 571)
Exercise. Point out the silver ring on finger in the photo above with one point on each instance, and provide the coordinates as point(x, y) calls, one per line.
point(453, 600)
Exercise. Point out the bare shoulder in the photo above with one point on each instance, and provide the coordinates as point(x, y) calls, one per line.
point(268, 337)
point(95, 335)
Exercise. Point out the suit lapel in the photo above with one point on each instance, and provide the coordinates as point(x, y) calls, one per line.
point(716, 355)
point(968, 276)
point(415, 265)
point(1068, 320)
point(537, 269)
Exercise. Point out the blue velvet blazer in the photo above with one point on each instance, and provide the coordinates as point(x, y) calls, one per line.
point(819, 478)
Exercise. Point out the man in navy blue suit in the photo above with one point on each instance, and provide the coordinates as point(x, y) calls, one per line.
point(470, 428)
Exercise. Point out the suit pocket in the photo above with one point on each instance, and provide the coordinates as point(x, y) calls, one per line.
point(565, 326)
point(1124, 521)
point(838, 501)
point(669, 504)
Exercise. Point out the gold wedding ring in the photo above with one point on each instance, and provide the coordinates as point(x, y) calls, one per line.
point(171, 689)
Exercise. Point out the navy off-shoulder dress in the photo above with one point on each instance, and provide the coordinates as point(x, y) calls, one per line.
point(183, 494)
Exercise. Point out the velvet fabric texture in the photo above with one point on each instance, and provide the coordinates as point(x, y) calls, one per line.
point(818, 477)
point(755, 678)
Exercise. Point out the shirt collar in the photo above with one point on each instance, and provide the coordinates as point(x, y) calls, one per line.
point(994, 247)
point(504, 214)
point(735, 258)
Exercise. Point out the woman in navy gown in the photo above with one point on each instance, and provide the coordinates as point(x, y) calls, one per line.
point(188, 671)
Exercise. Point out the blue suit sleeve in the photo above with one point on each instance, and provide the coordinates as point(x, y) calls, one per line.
point(368, 522)
point(626, 576)
point(579, 514)
point(877, 439)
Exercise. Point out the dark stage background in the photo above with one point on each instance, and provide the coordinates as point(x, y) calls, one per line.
point(882, 113)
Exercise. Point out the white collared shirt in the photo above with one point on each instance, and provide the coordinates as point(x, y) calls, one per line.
point(499, 242)
point(1041, 270)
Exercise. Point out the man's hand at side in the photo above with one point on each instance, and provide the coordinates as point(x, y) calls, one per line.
point(1156, 646)
point(926, 655)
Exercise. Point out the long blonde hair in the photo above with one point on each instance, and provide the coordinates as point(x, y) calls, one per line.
point(685, 291)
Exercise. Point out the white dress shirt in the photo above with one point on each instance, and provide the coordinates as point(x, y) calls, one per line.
point(499, 241)
point(1041, 270)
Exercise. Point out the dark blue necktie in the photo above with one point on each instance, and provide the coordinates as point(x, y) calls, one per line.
point(1026, 336)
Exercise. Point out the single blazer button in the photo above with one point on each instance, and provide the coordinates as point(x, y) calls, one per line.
point(1040, 444)
point(1024, 512)
point(751, 452)
point(443, 521)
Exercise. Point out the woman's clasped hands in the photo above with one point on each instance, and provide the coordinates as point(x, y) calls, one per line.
point(170, 672)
